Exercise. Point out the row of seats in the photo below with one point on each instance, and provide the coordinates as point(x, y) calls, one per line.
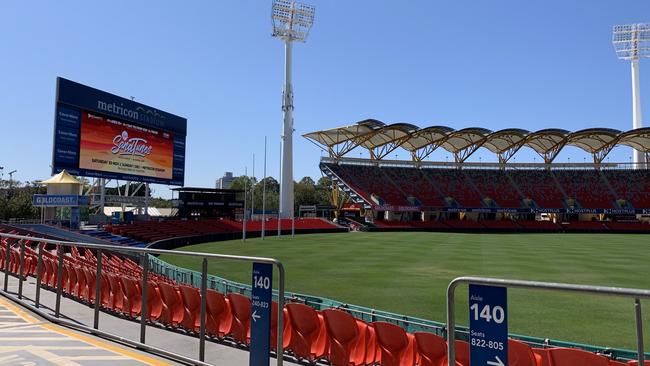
point(510, 225)
point(149, 231)
point(496, 187)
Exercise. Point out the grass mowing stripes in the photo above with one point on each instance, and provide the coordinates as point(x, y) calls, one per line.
point(408, 273)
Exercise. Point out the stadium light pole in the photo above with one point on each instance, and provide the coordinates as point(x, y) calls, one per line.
point(632, 42)
point(291, 22)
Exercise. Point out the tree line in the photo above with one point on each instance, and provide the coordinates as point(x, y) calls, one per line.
point(306, 192)
point(16, 199)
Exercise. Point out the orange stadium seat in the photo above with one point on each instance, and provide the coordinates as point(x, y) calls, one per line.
point(308, 334)
point(192, 301)
point(154, 301)
point(173, 308)
point(286, 331)
point(117, 294)
point(542, 357)
point(91, 282)
point(431, 349)
point(521, 354)
point(133, 298)
point(219, 319)
point(240, 307)
point(347, 338)
point(397, 347)
point(575, 357)
point(462, 353)
point(82, 288)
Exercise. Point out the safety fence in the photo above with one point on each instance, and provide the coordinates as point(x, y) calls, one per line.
point(409, 323)
point(198, 279)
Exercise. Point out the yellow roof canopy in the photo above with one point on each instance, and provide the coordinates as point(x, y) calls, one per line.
point(62, 178)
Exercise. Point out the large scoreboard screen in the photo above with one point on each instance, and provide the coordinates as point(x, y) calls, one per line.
point(97, 134)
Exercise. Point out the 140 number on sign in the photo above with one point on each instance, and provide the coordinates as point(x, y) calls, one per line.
point(488, 314)
point(262, 282)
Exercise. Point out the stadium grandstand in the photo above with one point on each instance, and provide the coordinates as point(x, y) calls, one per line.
point(598, 196)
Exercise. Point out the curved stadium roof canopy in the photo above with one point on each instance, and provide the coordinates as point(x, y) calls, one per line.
point(381, 139)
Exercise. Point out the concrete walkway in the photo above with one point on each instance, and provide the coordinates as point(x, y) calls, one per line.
point(28, 340)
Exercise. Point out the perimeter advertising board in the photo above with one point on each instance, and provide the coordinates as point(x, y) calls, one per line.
point(98, 134)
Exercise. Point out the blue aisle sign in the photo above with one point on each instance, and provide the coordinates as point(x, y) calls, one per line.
point(261, 314)
point(488, 325)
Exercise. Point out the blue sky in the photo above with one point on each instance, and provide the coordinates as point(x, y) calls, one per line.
point(497, 64)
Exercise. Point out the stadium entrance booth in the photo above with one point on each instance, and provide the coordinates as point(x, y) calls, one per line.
point(63, 191)
point(207, 203)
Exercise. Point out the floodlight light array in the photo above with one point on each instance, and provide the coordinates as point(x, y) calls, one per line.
point(632, 41)
point(292, 20)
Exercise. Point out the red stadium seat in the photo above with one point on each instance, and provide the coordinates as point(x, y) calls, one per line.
point(117, 293)
point(286, 331)
point(397, 347)
point(91, 282)
point(520, 354)
point(133, 298)
point(431, 349)
point(82, 285)
point(105, 291)
point(240, 307)
point(70, 283)
point(173, 308)
point(192, 301)
point(542, 357)
point(575, 357)
point(219, 319)
point(308, 334)
point(636, 363)
point(154, 301)
point(462, 353)
point(347, 338)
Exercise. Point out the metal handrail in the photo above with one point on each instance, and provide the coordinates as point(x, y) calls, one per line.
point(636, 294)
point(143, 312)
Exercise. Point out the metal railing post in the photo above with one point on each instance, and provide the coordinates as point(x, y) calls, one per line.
point(143, 302)
point(59, 281)
point(21, 271)
point(639, 331)
point(39, 276)
point(98, 287)
point(451, 325)
point(279, 350)
point(7, 260)
point(204, 290)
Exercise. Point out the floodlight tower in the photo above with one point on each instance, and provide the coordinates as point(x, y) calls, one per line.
point(291, 22)
point(632, 42)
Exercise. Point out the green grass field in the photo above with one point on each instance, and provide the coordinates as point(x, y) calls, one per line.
point(408, 273)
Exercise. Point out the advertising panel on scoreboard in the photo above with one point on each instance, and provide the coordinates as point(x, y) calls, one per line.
point(109, 145)
point(98, 134)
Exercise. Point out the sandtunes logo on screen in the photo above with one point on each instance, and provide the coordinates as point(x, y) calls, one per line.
point(130, 146)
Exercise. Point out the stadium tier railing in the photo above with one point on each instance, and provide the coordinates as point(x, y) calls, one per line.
point(636, 294)
point(409, 323)
point(482, 165)
point(200, 279)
